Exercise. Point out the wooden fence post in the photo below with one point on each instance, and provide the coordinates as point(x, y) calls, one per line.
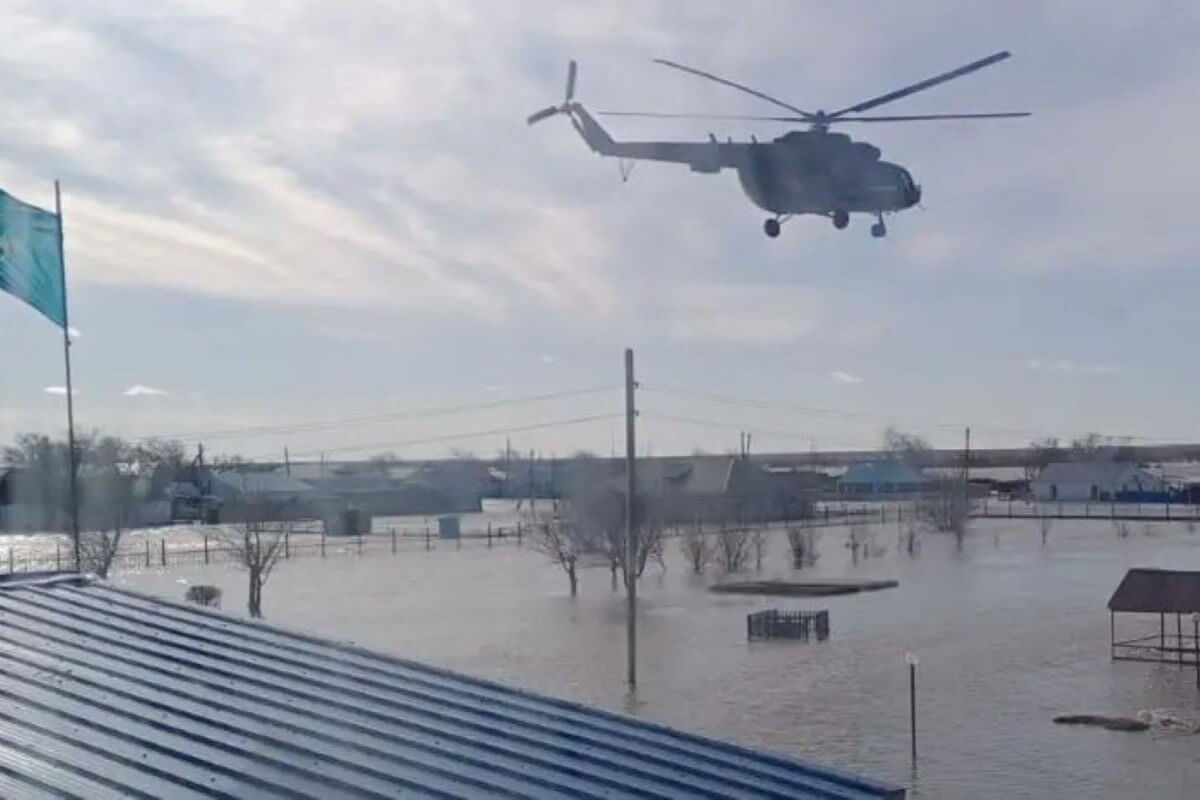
point(206, 547)
point(147, 541)
point(287, 545)
point(518, 533)
point(426, 537)
point(322, 544)
point(57, 557)
point(393, 530)
point(162, 550)
point(360, 544)
point(489, 534)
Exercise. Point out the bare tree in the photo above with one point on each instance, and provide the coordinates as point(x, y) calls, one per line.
point(1088, 446)
point(1042, 453)
point(910, 537)
point(906, 446)
point(758, 543)
point(596, 509)
point(558, 540)
point(943, 506)
point(112, 506)
point(256, 544)
point(696, 547)
point(802, 540)
point(732, 542)
point(856, 539)
point(1045, 524)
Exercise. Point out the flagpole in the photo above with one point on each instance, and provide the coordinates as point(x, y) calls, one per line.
point(66, 328)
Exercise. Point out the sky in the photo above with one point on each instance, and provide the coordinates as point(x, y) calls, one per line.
point(326, 226)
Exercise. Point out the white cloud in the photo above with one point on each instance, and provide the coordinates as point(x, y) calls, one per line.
point(341, 333)
point(142, 390)
point(1070, 367)
point(546, 358)
point(837, 376)
point(742, 314)
point(61, 391)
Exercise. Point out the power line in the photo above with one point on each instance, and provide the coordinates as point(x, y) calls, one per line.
point(832, 413)
point(459, 436)
point(705, 423)
point(366, 419)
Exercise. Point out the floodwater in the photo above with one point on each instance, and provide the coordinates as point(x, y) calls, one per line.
point(1008, 634)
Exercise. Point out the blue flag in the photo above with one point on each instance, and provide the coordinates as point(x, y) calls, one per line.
point(30, 263)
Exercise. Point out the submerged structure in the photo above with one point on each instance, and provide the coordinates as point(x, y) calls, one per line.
point(1173, 596)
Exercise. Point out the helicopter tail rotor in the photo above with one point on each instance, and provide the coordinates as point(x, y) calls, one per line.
point(568, 96)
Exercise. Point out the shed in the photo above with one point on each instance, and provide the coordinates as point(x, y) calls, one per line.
point(1164, 593)
point(111, 693)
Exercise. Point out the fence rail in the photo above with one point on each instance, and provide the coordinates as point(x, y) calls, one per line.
point(1145, 512)
point(184, 547)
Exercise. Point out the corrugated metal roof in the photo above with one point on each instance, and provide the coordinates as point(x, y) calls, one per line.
point(111, 693)
point(888, 471)
point(259, 482)
point(1104, 473)
point(1157, 591)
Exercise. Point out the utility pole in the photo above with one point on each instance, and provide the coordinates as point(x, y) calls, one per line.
point(532, 494)
point(630, 549)
point(287, 461)
point(967, 470)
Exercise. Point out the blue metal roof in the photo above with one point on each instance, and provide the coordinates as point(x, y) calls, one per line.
point(889, 471)
point(111, 693)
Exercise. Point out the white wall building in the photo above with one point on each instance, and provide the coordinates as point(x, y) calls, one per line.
point(1093, 480)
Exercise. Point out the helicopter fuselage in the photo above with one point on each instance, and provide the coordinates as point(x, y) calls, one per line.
point(812, 177)
point(802, 172)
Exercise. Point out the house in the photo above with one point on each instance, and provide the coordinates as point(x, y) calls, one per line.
point(281, 496)
point(887, 477)
point(1097, 480)
point(384, 488)
point(706, 488)
point(113, 693)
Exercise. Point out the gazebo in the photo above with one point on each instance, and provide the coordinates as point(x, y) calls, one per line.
point(1166, 593)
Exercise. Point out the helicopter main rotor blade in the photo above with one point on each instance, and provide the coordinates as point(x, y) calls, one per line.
point(922, 85)
point(659, 115)
point(572, 69)
point(922, 117)
point(538, 116)
point(732, 85)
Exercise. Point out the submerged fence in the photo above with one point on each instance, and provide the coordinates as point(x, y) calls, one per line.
point(188, 547)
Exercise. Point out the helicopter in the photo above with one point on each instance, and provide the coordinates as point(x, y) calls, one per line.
point(814, 171)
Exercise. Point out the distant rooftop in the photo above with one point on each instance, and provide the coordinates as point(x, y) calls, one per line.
point(111, 693)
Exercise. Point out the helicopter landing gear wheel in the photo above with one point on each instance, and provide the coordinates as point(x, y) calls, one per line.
point(841, 218)
point(771, 227)
point(879, 230)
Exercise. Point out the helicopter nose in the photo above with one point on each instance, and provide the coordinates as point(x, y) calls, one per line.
point(914, 194)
